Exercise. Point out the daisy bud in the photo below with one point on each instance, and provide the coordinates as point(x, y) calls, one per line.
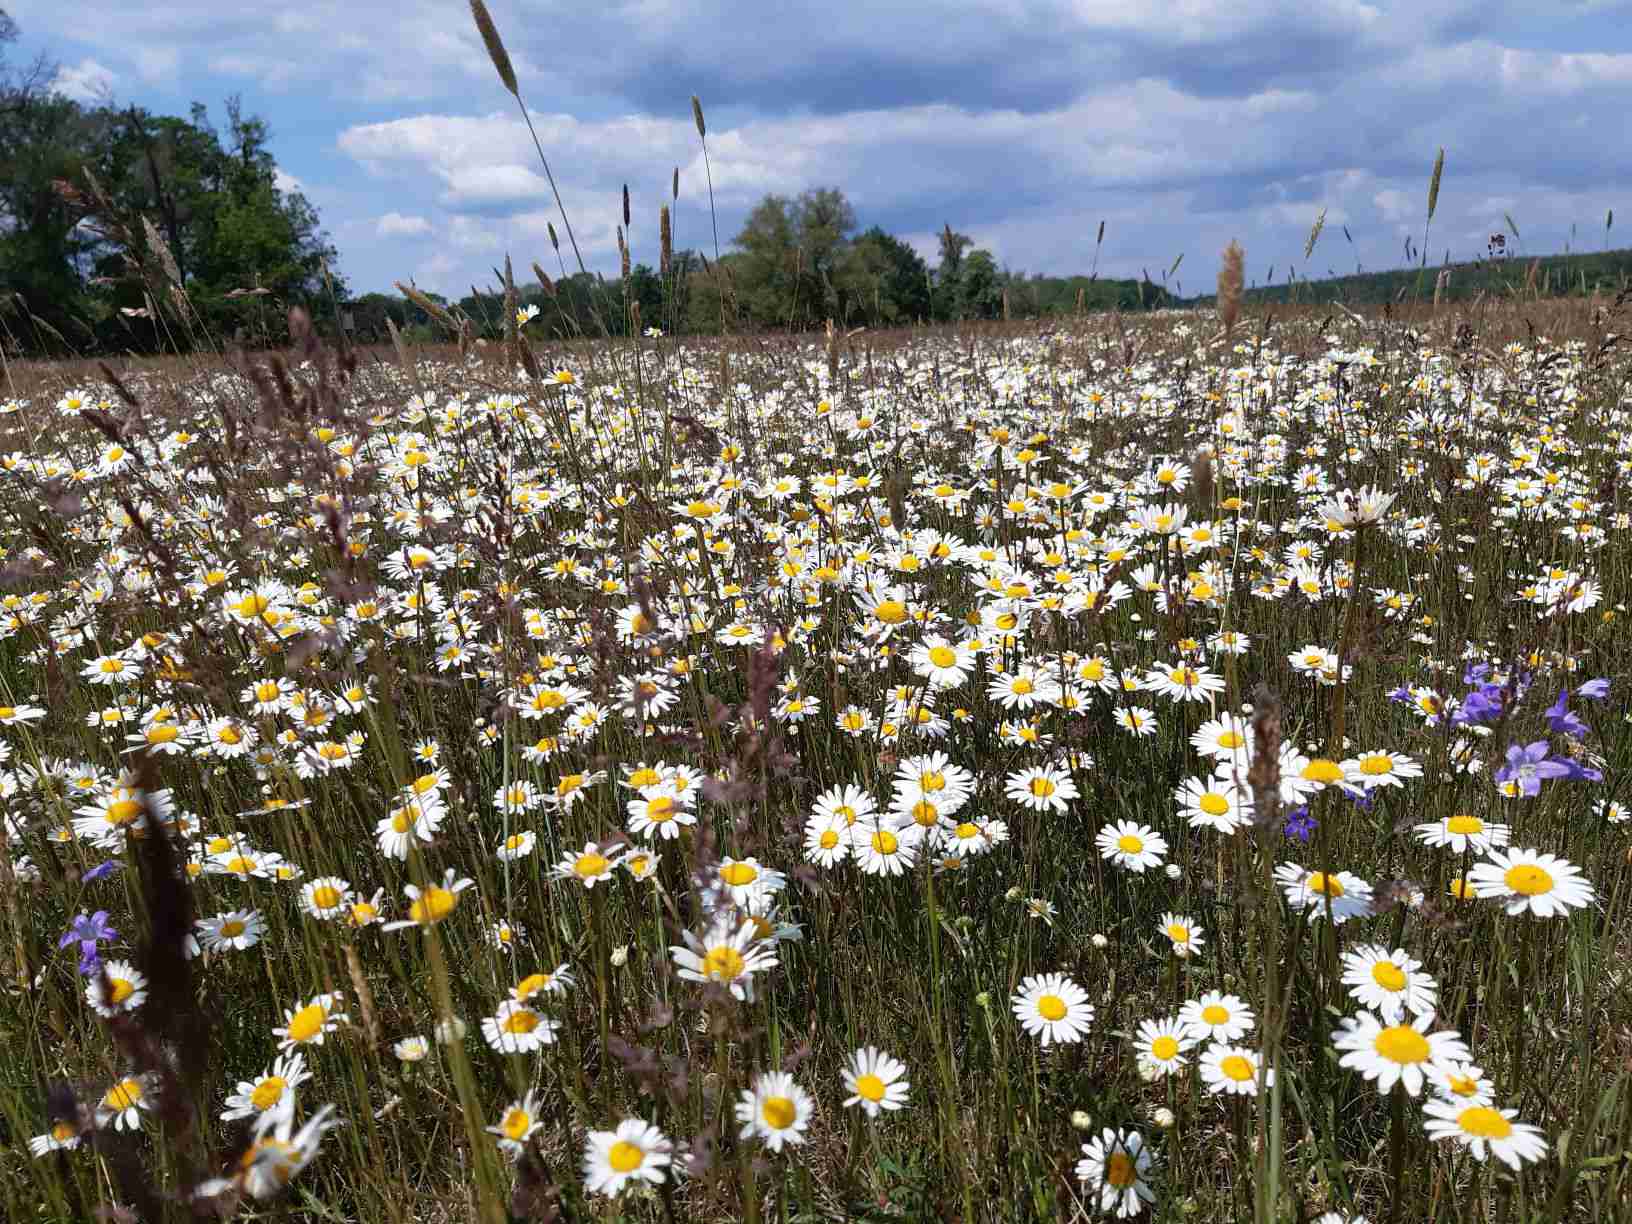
point(1174, 871)
point(450, 1030)
point(1149, 1072)
point(1081, 1120)
point(1162, 1117)
point(620, 956)
point(983, 1000)
point(1099, 941)
point(1014, 894)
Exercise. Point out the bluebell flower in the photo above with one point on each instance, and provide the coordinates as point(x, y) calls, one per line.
point(89, 930)
point(1561, 720)
point(1529, 764)
point(1300, 824)
point(1594, 690)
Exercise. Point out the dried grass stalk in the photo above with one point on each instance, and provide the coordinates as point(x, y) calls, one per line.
point(1231, 281)
point(697, 114)
point(1433, 183)
point(495, 46)
point(665, 242)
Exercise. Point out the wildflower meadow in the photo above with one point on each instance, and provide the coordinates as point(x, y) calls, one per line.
point(1169, 766)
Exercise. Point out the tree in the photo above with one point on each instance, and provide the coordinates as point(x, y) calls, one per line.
point(765, 279)
point(882, 280)
point(824, 220)
point(980, 286)
point(948, 297)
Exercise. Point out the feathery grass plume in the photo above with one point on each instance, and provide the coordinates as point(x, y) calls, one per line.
point(665, 242)
point(436, 312)
point(1433, 182)
point(674, 186)
point(697, 115)
point(1264, 775)
point(1231, 280)
point(544, 281)
point(626, 206)
point(1442, 282)
point(1609, 222)
point(495, 46)
point(1512, 226)
point(623, 255)
point(1314, 235)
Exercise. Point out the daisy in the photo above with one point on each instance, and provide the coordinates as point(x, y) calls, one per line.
point(516, 846)
point(882, 849)
point(1462, 1083)
point(430, 905)
point(1024, 689)
point(1463, 832)
point(589, 866)
point(309, 1025)
point(1183, 933)
point(1161, 1044)
point(875, 1081)
point(120, 988)
point(775, 1110)
point(1132, 845)
point(1527, 880)
point(233, 931)
point(122, 1105)
point(943, 664)
point(1485, 1130)
point(1373, 770)
point(933, 776)
point(1183, 682)
point(273, 1089)
point(658, 813)
point(827, 841)
point(634, 1151)
point(1216, 1017)
point(556, 983)
point(1136, 720)
point(517, 1029)
point(1041, 788)
point(1389, 983)
point(729, 953)
point(1118, 1164)
point(1053, 1007)
point(62, 1137)
point(519, 1123)
point(1214, 803)
point(1347, 895)
point(1402, 1053)
point(1232, 1070)
point(745, 879)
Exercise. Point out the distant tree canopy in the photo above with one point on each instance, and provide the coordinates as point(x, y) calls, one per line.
point(89, 194)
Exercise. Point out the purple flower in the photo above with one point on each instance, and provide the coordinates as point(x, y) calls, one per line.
point(1594, 690)
point(1402, 694)
point(1364, 801)
point(1561, 720)
point(1300, 824)
point(88, 930)
point(1483, 705)
point(1528, 764)
point(101, 870)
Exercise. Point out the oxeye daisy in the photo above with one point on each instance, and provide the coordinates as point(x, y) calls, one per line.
point(589, 866)
point(882, 848)
point(744, 879)
point(1231, 1070)
point(1462, 1083)
point(1041, 788)
point(120, 987)
point(1389, 983)
point(517, 1028)
point(1341, 893)
point(516, 846)
point(1130, 844)
point(1213, 803)
point(1182, 934)
point(875, 1081)
point(827, 841)
point(1529, 881)
point(233, 931)
point(1463, 832)
point(429, 905)
point(1216, 1017)
point(62, 1137)
point(729, 953)
point(847, 804)
point(1052, 1007)
point(943, 664)
point(775, 1110)
point(1161, 1044)
point(1404, 1053)
point(1136, 720)
point(557, 982)
point(1485, 1131)
point(634, 1151)
point(308, 1025)
point(273, 1089)
point(1372, 770)
point(659, 812)
point(122, 1105)
point(1183, 682)
point(1116, 1165)
point(518, 1124)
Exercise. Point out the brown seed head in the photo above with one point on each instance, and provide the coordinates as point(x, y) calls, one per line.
point(495, 46)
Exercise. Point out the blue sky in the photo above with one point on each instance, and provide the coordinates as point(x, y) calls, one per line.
point(1181, 124)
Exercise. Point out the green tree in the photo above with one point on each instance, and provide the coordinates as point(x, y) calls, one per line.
point(882, 280)
point(764, 281)
point(980, 286)
point(947, 300)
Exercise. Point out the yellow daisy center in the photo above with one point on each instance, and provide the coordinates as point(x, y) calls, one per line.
point(943, 656)
point(590, 865)
point(433, 905)
point(1388, 975)
point(268, 1092)
point(1164, 1048)
point(1528, 880)
point(1323, 771)
point(307, 1022)
point(724, 964)
point(1330, 885)
point(1237, 1068)
point(516, 1124)
point(325, 896)
point(1051, 1008)
point(738, 874)
point(1214, 1014)
point(1042, 788)
point(885, 842)
point(624, 1157)
point(1483, 1122)
point(1120, 1170)
point(869, 1087)
point(1213, 804)
point(520, 1022)
point(1129, 844)
point(1400, 1043)
point(779, 1112)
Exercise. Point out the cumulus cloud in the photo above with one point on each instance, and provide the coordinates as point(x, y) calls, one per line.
point(86, 81)
point(395, 225)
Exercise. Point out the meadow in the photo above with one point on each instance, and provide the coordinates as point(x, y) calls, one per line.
point(1112, 768)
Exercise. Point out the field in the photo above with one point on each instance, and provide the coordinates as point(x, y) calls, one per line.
point(1005, 773)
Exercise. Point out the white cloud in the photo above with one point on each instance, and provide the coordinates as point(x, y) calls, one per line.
point(86, 81)
point(395, 225)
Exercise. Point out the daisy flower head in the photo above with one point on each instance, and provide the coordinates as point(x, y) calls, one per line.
point(875, 1081)
point(882, 847)
point(556, 983)
point(1485, 1131)
point(1402, 1053)
point(1117, 1165)
point(744, 879)
point(933, 776)
point(634, 1151)
point(1463, 832)
point(516, 846)
point(517, 1028)
point(1372, 770)
point(1230, 1070)
point(309, 1025)
point(231, 932)
point(827, 841)
point(1127, 843)
point(430, 905)
point(1182, 934)
point(1183, 682)
point(273, 1089)
point(1529, 881)
point(1389, 983)
point(590, 866)
point(1462, 1083)
point(1346, 895)
point(1136, 720)
point(1214, 803)
point(1052, 1007)
point(1041, 788)
point(1161, 1044)
point(122, 1105)
point(659, 812)
point(1216, 1017)
point(62, 1137)
point(326, 897)
point(518, 1124)
point(942, 663)
point(729, 954)
point(775, 1110)
point(120, 987)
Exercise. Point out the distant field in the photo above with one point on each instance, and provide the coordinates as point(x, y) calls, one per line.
point(1006, 772)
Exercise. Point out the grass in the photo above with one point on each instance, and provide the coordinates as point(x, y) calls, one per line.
point(595, 534)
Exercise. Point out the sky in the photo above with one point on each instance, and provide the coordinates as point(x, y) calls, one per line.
point(1180, 124)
